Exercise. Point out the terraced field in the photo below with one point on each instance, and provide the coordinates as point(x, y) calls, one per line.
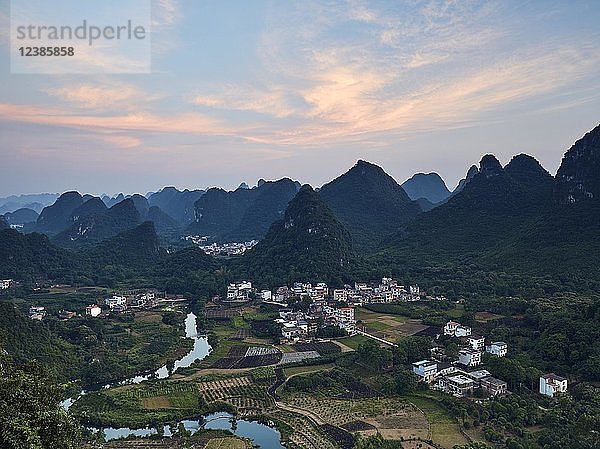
point(247, 397)
point(305, 435)
point(393, 418)
point(227, 443)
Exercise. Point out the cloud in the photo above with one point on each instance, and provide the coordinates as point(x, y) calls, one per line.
point(275, 101)
point(186, 123)
point(100, 97)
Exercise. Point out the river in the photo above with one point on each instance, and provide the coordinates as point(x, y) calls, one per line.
point(264, 436)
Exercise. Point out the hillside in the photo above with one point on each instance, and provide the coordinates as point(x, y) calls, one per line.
point(134, 248)
point(3, 223)
point(307, 244)
point(179, 205)
point(243, 214)
point(31, 257)
point(55, 218)
point(578, 178)
point(453, 242)
point(98, 223)
point(428, 186)
point(369, 203)
point(21, 216)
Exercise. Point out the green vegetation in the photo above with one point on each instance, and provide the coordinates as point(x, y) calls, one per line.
point(243, 214)
point(369, 203)
point(355, 341)
point(307, 244)
point(93, 350)
point(139, 406)
point(444, 426)
point(30, 416)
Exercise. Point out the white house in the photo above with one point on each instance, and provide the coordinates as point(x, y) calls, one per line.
point(458, 385)
point(37, 313)
point(469, 357)
point(494, 386)
point(266, 295)
point(450, 328)
point(116, 301)
point(455, 329)
point(478, 375)
point(497, 348)
point(239, 291)
point(551, 384)
point(93, 310)
point(5, 283)
point(340, 294)
point(425, 369)
point(462, 331)
point(477, 342)
point(292, 332)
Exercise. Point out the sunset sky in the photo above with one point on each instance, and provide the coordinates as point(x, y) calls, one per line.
point(249, 89)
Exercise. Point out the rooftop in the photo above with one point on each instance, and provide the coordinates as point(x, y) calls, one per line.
point(553, 377)
point(424, 363)
point(460, 379)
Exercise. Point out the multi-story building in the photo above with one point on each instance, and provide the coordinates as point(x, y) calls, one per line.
point(494, 386)
point(239, 292)
point(497, 348)
point(425, 369)
point(116, 301)
point(469, 357)
point(454, 329)
point(477, 342)
point(478, 375)
point(552, 385)
point(458, 385)
point(37, 313)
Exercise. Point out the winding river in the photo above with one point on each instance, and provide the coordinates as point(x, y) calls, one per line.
point(261, 434)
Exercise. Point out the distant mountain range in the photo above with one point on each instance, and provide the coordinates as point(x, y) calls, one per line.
point(179, 205)
point(35, 202)
point(504, 230)
point(426, 186)
point(516, 221)
point(243, 214)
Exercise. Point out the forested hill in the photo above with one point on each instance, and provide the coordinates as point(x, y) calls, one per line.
point(307, 244)
point(510, 230)
point(369, 203)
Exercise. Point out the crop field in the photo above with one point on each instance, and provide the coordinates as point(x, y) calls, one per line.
point(394, 418)
point(444, 428)
point(484, 317)
point(304, 435)
point(295, 370)
point(135, 406)
point(293, 357)
point(242, 356)
point(355, 341)
point(240, 392)
point(227, 443)
point(216, 313)
point(386, 325)
point(324, 348)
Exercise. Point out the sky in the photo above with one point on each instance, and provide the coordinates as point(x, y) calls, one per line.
point(243, 90)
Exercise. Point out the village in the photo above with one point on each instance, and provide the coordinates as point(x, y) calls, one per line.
point(220, 249)
point(117, 303)
point(310, 313)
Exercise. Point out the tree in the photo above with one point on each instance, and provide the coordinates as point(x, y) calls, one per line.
point(30, 415)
